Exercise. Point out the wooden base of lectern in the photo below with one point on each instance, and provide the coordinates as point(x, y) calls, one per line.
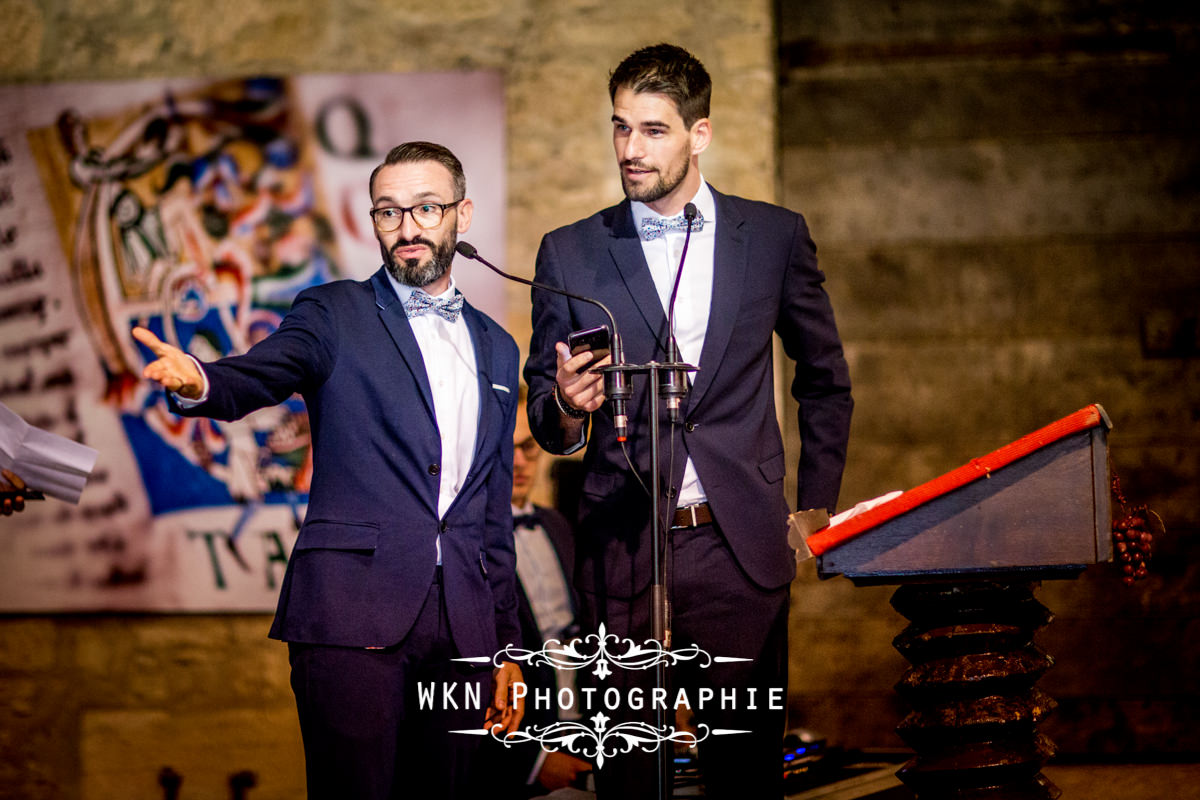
point(975, 709)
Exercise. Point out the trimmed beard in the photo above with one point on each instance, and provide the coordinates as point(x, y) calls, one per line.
point(414, 272)
point(666, 183)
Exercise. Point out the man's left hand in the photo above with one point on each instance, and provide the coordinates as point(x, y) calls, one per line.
point(506, 709)
point(11, 482)
point(560, 770)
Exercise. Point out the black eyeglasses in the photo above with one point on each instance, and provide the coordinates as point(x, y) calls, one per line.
point(528, 447)
point(426, 215)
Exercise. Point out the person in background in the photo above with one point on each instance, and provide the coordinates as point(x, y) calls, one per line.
point(546, 608)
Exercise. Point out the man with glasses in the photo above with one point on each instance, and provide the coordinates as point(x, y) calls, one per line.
point(405, 560)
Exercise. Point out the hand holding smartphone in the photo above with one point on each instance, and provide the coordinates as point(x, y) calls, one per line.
point(597, 341)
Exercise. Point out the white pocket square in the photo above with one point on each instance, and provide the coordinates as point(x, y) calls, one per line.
point(504, 389)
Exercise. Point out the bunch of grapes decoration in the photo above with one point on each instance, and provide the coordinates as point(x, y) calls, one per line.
point(1132, 535)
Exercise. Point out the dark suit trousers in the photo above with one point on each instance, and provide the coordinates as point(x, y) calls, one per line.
point(364, 734)
point(718, 608)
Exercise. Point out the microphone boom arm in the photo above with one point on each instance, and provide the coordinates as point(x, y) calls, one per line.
point(617, 388)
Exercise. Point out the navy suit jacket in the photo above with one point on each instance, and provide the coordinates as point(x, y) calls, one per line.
point(365, 556)
point(765, 281)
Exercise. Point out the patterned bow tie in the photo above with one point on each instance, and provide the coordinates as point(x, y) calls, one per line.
point(527, 520)
point(420, 302)
point(654, 227)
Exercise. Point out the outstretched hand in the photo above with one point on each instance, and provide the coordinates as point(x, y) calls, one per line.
point(172, 369)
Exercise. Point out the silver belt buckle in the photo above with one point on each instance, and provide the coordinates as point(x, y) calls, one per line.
point(691, 510)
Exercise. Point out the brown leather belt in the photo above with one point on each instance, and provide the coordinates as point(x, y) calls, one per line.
point(692, 516)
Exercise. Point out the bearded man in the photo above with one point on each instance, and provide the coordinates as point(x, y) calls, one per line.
point(405, 560)
point(750, 272)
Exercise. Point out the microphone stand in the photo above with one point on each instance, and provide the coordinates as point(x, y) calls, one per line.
point(674, 385)
point(670, 382)
point(660, 611)
point(616, 376)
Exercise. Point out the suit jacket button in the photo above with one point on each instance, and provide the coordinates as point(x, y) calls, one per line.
point(434, 469)
point(689, 426)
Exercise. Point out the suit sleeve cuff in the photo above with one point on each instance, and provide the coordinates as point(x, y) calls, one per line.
point(583, 432)
point(537, 768)
point(185, 402)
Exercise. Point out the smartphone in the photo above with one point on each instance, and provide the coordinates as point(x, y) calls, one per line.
point(597, 340)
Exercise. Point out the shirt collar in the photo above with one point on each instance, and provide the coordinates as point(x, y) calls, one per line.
point(703, 200)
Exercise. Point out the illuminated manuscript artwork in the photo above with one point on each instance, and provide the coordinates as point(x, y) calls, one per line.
point(199, 218)
point(199, 210)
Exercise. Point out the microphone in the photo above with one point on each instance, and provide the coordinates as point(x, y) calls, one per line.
point(674, 381)
point(616, 382)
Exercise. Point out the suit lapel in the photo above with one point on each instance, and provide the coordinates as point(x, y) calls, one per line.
point(482, 343)
point(627, 254)
point(391, 313)
point(729, 280)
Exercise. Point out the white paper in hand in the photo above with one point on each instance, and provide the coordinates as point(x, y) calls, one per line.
point(47, 462)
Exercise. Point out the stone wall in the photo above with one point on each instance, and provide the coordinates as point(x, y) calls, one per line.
point(93, 706)
point(1005, 198)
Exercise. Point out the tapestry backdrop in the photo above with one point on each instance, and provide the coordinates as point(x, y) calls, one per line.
point(199, 210)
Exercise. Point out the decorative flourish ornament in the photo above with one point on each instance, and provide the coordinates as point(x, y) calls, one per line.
point(601, 649)
point(599, 741)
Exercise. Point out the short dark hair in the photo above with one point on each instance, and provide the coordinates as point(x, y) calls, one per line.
point(670, 70)
point(410, 152)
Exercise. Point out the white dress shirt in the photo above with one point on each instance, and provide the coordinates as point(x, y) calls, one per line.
point(694, 299)
point(545, 585)
point(542, 578)
point(449, 358)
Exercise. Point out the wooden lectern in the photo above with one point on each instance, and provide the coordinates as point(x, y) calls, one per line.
point(968, 550)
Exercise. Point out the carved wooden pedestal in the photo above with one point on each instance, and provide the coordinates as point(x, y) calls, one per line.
point(975, 708)
point(967, 549)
